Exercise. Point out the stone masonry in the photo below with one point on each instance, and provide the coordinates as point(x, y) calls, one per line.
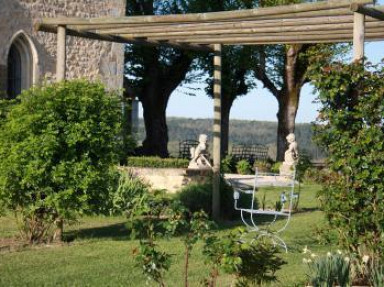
point(94, 60)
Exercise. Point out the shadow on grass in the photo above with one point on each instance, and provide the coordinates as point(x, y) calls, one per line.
point(117, 231)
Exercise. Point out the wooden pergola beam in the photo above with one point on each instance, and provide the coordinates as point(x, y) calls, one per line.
point(320, 30)
point(367, 11)
point(278, 38)
point(321, 8)
point(122, 40)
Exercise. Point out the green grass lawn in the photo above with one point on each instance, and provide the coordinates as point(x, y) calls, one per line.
point(101, 253)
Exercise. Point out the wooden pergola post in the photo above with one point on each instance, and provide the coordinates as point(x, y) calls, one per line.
point(358, 36)
point(216, 132)
point(61, 53)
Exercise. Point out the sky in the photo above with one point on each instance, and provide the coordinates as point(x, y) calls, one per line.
point(259, 104)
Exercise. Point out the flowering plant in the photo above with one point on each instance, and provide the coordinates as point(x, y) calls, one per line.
point(329, 270)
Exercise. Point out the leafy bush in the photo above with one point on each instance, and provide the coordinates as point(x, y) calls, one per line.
point(351, 128)
point(243, 167)
point(275, 168)
point(157, 162)
point(228, 164)
point(262, 166)
point(302, 166)
point(129, 193)
point(250, 263)
point(198, 197)
point(57, 147)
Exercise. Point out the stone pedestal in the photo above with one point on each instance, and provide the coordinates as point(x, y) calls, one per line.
point(286, 169)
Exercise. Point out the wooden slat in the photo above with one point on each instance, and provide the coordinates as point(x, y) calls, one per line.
point(303, 30)
point(217, 26)
point(281, 39)
point(278, 11)
point(122, 40)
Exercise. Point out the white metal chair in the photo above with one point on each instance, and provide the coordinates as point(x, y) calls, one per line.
point(262, 220)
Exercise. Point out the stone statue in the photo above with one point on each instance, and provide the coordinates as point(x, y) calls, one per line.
point(291, 156)
point(199, 155)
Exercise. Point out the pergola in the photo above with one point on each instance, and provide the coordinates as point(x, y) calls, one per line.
point(322, 22)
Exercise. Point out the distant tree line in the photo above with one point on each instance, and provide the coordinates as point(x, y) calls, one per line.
point(153, 73)
point(240, 132)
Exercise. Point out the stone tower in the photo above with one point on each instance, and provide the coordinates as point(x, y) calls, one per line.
point(28, 57)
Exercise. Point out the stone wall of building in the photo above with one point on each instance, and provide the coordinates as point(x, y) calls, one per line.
point(94, 60)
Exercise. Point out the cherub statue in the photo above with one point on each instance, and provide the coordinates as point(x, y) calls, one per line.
point(291, 156)
point(199, 154)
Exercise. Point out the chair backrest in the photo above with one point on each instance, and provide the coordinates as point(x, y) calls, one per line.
point(251, 153)
point(185, 148)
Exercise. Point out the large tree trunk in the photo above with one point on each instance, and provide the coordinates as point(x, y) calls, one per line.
point(156, 140)
point(286, 116)
point(160, 84)
point(288, 98)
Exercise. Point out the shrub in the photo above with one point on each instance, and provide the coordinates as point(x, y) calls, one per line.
point(197, 196)
point(128, 193)
point(243, 167)
point(228, 164)
point(157, 162)
point(253, 263)
point(275, 168)
point(262, 166)
point(55, 156)
point(351, 128)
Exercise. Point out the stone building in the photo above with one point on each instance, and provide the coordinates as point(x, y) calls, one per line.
point(28, 57)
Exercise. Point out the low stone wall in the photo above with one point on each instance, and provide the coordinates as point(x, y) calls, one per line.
point(170, 179)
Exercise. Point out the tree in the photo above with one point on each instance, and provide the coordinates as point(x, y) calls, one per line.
point(283, 71)
point(284, 80)
point(153, 73)
point(57, 145)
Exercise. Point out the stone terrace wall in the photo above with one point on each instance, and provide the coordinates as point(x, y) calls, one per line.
point(85, 58)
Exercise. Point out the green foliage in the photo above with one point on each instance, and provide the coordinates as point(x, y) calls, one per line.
point(377, 275)
point(351, 128)
point(302, 166)
point(228, 164)
point(57, 146)
point(198, 196)
point(275, 168)
point(157, 162)
point(129, 193)
point(262, 166)
point(164, 218)
point(326, 271)
point(243, 167)
point(250, 263)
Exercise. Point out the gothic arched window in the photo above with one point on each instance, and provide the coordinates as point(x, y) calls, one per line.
point(20, 66)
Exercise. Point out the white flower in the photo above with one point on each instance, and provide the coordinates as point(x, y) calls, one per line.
point(347, 259)
point(365, 259)
point(305, 260)
point(313, 255)
point(339, 252)
point(305, 250)
point(329, 254)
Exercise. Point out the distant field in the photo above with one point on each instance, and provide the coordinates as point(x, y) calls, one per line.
point(101, 253)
